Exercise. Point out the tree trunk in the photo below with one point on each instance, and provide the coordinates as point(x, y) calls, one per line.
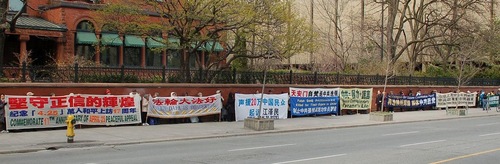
point(392, 12)
point(3, 25)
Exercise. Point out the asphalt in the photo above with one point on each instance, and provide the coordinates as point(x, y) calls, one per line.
point(30, 141)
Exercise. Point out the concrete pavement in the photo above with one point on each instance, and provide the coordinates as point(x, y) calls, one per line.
point(29, 141)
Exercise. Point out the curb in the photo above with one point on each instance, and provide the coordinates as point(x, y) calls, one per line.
point(83, 144)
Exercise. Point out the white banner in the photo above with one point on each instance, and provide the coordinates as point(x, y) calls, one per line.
point(455, 99)
point(274, 106)
point(355, 98)
point(26, 112)
point(182, 107)
point(314, 92)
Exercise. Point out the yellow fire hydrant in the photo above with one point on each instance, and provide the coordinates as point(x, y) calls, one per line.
point(70, 131)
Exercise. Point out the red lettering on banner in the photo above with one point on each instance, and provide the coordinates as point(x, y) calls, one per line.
point(58, 102)
point(184, 101)
point(253, 102)
point(39, 102)
point(293, 92)
point(127, 102)
point(157, 102)
point(210, 99)
point(110, 101)
point(94, 101)
point(17, 103)
point(94, 119)
point(299, 93)
point(196, 101)
point(171, 101)
point(76, 101)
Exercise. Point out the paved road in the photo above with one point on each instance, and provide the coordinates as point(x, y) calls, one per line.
point(466, 140)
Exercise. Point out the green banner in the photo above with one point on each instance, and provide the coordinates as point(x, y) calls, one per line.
point(355, 98)
point(493, 101)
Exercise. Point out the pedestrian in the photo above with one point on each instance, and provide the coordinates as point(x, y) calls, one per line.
point(3, 103)
point(419, 93)
point(144, 110)
point(401, 93)
point(483, 99)
point(379, 100)
point(108, 92)
point(410, 93)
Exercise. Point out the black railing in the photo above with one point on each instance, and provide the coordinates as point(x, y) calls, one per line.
point(77, 74)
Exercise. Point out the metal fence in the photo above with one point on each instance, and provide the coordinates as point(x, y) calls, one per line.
point(76, 74)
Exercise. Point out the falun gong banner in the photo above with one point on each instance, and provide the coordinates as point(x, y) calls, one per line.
point(461, 99)
point(355, 98)
point(184, 106)
point(27, 112)
point(274, 106)
point(312, 101)
point(411, 101)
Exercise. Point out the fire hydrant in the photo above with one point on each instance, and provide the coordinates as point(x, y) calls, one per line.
point(70, 131)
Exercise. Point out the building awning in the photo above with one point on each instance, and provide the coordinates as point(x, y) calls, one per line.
point(174, 43)
point(134, 41)
point(209, 46)
point(86, 38)
point(111, 40)
point(155, 42)
point(35, 23)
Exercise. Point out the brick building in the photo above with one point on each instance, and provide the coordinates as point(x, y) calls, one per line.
point(52, 31)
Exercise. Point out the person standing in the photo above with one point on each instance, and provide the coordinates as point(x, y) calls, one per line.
point(391, 109)
point(2, 113)
point(144, 109)
point(379, 100)
point(483, 99)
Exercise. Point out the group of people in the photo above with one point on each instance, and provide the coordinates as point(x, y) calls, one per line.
point(380, 97)
point(227, 111)
point(482, 98)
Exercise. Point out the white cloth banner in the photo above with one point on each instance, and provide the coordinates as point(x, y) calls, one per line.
point(182, 107)
point(314, 92)
point(26, 112)
point(274, 106)
point(455, 99)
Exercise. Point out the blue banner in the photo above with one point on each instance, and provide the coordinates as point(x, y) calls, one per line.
point(411, 101)
point(302, 106)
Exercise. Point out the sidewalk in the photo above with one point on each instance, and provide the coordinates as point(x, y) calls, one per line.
point(121, 135)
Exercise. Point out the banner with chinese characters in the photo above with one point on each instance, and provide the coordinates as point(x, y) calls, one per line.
point(314, 92)
point(493, 101)
point(455, 99)
point(411, 101)
point(355, 98)
point(182, 107)
point(313, 101)
point(27, 112)
point(274, 106)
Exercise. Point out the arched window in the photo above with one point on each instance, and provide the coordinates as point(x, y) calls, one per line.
point(85, 41)
point(85, 26)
